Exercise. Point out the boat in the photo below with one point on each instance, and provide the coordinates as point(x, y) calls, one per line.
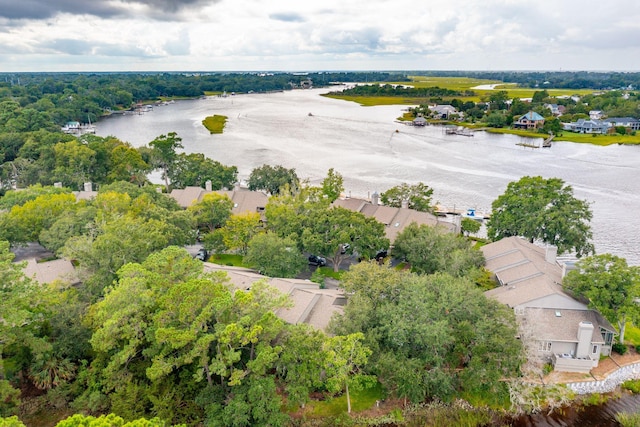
point(472, 214)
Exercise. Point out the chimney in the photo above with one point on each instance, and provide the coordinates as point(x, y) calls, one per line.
point(88, 187)
point(404, 204)
point(585, 332)
point(375, 198)
point(57, 184)
point(208, 186)
point(550, 254)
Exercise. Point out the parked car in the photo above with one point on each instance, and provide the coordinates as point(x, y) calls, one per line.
point(317, 260)
point(344, 248)
point(381, 255)
point(202, 255)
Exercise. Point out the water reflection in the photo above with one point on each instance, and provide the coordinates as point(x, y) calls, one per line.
point(362, 144)
point(590, 416)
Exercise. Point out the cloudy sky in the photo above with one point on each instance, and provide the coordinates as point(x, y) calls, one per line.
point(308, 35)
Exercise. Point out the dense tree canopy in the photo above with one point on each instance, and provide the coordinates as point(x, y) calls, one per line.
point(417, 196)
point(545, 210)
point(275, 256)
point(327, 232)
point(611, 286)
point(432, 249)
point(431, 335)
point(273, 179)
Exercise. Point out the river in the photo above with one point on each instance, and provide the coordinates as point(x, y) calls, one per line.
point(303, 130)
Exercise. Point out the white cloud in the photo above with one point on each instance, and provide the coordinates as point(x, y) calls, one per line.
point(317, 34)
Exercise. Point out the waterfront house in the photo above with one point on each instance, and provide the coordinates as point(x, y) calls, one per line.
point(531, 120)
point(587, 126)
point(560, 329)
point(556, 110)
point(309, 303)
point(394, 219)
point(572, 340)
point(443, 111)
point(243, 200)
point(595, 114)
point(629, 123)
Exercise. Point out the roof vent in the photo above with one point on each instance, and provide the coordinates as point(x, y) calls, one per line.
point(558, 314)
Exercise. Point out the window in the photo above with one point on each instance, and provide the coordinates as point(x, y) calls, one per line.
point(595, 349)
point(544, 346)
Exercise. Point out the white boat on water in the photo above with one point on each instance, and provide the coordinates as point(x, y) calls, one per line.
point(76, 128)
point(472, 214)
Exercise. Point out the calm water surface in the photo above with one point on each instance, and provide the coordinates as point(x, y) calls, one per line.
point(311, 133)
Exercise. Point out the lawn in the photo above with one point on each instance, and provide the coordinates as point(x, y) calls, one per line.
point(458, 84)
point(598, 139)
point(227, 259)
point(360, 401)
point(632, 335)
point(215, 123)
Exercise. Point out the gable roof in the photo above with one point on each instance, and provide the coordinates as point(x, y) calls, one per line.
point(562, 325)
point(188, 195)
point(310, 304)
point(50, 271)
point(523, 271)
point(394, 219)
point(243, 200)
point(531, 116)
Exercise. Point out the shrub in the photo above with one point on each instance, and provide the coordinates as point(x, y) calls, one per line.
point(632, 385)
point(619, 348)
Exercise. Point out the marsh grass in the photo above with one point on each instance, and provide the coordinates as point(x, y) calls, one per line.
point(215, 123)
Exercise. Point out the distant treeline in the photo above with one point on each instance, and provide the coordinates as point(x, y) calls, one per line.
point(86, 96)
point(548, 79)
point(400, 91)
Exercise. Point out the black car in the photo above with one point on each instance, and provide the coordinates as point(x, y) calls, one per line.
point(317, 260)
point(202, 255)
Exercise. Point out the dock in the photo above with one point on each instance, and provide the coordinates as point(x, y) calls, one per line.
point(457, 130)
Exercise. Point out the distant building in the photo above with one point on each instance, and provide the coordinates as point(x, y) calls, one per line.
point(443, 111)
point(587, 126)
point(395, 220)
point(531, 120)
point(558, 328)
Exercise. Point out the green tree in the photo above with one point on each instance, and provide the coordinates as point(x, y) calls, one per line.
point(539, 96)
point(332, 185)
point(346, 356)
point(126, 164)
point(20, 197)
point(432, 336)
point(611, 286)
point(433, 249)
point(212, 211)
point(195, 170)
point(273, 179)
point(469, 226)
point(164, 152)
point(327, 232)
point(21, 305)
point(301, 363)
point(417, 196)
point(110, 420)
point(542, 209)
point(274, 256)
point(74, 162)
point(496, 120)
point(11, 422)
point(26, 222)
point(69, 224)
point(239, 230)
